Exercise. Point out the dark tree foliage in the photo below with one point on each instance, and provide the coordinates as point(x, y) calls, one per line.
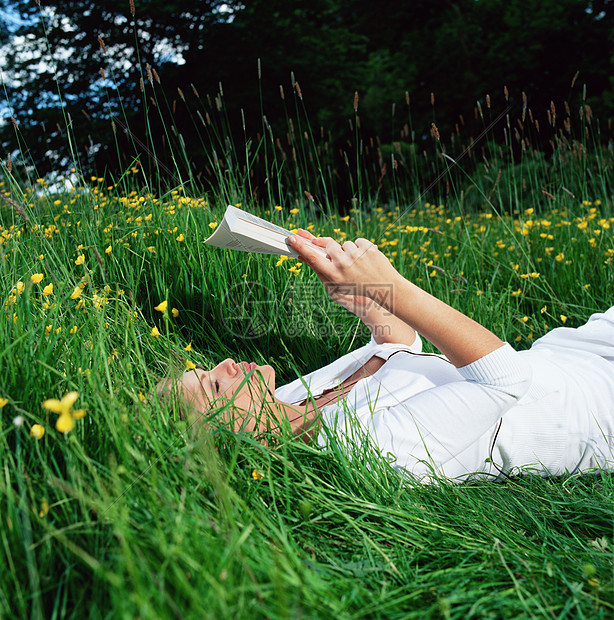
point(82, 64)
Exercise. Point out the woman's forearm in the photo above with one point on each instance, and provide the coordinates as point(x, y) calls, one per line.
point(461, 339)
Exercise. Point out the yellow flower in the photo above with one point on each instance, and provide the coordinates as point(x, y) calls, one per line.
point(142, 397)
point(37, 431)
point(277, 208)
point(175, 312)
point(73, 329)
point(516, 293)
point(256, 475)
point(161, 307)
point(563, 319)
point(3, 402)
point(108, 250)
point(80, 259)
point(36, 278)
point(212, 224)
point(44, 508)
point(180, 238)
point(282, 258)
point(48, 290)
point(190, 365)
point(524, 319)
point(188, 348)
point(559, 257)
point(76, 293)
point(155, 332)
point(294, 211)
point(66, 421)
point(19, 287)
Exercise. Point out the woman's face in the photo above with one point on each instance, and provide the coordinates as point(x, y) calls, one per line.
point(246, 385)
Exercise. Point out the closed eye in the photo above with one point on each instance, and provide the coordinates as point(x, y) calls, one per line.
point(217, 386)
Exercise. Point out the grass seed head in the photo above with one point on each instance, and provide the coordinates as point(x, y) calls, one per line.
point(101, 42)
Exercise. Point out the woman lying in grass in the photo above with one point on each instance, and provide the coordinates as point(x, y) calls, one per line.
point(481, 408)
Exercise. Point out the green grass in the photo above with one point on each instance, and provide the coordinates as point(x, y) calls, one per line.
point(133, 515)
point(146, 520)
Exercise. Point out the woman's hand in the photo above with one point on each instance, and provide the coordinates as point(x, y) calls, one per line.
point(353, 274)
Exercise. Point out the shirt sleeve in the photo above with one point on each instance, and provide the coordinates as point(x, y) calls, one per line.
point(430, 429)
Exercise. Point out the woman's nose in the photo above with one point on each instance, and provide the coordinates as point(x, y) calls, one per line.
point(230, 366)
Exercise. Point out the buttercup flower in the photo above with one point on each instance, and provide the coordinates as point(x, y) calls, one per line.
point(190, 365)
point(66, 421)
point(36, 278)
point(161, 307)
point(256, 475)
point(155, 332)
point(175, 312)
point(80, 259)
point(37, 431)
point(48, 290)
point(188, 347)
point(180, 238)
point(3, 401)
point(44, 508)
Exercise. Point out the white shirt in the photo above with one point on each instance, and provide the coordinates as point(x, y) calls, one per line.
point(549, 410)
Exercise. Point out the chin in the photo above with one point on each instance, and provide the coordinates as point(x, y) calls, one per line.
point(268, 375)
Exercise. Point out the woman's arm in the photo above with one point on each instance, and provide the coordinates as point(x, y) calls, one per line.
point(362, 266)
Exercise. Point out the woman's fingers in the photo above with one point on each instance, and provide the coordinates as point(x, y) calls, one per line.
point(305, 233)
point(320, 264)
point(319, 241)
point(357, 263)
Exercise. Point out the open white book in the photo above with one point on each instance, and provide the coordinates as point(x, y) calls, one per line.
point(243, 231)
